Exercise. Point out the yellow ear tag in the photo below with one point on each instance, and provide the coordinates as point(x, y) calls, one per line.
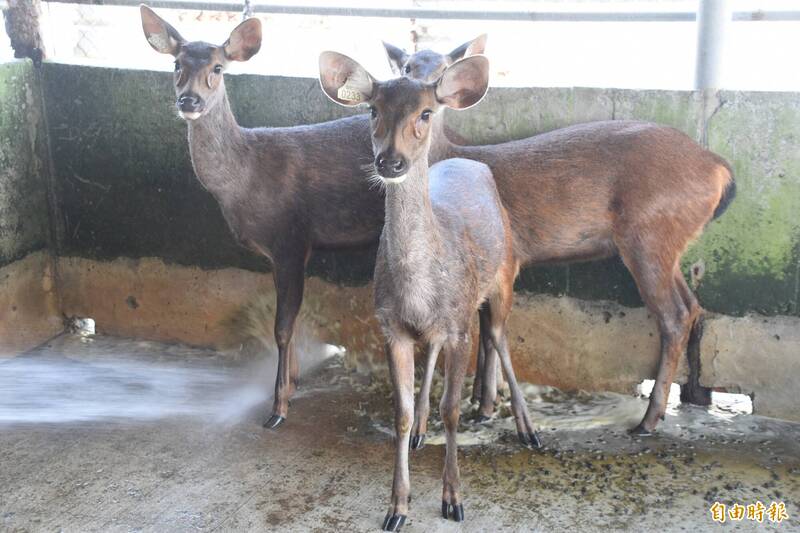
point(349, 94)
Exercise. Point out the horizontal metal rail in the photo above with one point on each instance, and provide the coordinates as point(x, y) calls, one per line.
point(450, 14)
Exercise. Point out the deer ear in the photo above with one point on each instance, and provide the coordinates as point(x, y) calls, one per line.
point(344, 80)
point(244, 42)
point(470, 48)
point(464, 83)
point(397, 58)
point(161, 36)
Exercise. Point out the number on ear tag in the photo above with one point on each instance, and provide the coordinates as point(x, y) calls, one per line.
point(349, 94)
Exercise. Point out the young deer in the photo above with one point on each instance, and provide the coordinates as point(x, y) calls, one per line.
point(445, 249)
point(283, 191)
point(427, 65)
point(640, 190)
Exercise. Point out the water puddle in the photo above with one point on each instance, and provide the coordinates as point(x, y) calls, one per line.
point(86, 378)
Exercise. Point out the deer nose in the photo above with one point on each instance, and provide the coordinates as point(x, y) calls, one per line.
point(390, 167)
point(189, 103)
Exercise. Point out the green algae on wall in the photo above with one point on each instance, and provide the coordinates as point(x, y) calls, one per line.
point(752, 253)
point(24, 223)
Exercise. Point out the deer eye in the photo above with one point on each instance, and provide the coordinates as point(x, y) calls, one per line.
point(373, 112)
point(426, 115)
point(218, 69)
point(177, 66)
point(407, 69)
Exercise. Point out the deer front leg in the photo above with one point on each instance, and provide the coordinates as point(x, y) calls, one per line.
point(400, 353)
point(424, 402)
point(289, 278)
point(456, 353)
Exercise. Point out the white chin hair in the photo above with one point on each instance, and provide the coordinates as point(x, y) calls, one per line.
point(189, 115)
point(395, 181)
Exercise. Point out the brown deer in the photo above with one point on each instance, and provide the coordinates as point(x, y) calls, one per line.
point(637, 189)
point(282, 191)
point(446, 248)
point(428, 65)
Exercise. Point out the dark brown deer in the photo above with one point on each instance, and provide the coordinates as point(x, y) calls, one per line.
point(283, 191)
point(637, 189)
point(446, 248)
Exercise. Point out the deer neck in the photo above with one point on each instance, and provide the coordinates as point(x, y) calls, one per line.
point(411, 233)
point(440, 144)
point(217, 147)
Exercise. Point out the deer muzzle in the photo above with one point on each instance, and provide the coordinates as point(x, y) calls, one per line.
point(190, 106)
point(392, 168)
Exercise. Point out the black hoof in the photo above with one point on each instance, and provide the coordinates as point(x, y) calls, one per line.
point(531, 440)
point(417, 442)
point(640, 431)
point(274, 421)
point(479, 418)
point(454, 511)
point(393, 522)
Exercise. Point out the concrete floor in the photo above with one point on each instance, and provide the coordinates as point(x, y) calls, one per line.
point(329, 468)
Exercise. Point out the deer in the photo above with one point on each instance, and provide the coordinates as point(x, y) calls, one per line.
point(635, 189)
point(282, 191)
point(445, 251)
point(428, 66)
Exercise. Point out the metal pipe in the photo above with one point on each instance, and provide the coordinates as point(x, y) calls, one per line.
point(428, 13)
point(713, 17)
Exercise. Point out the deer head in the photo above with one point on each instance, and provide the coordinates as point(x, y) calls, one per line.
point(401, 109)
point(199, 65)
point(427, 65)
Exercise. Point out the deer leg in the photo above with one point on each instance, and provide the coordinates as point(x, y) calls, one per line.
point(656, 282)
point(489, 378)
point(692, 392)
point(400, 354)
point(495, 323)
point(289, 278)
point(477, 383)
point(456, 353)
point(424, 401)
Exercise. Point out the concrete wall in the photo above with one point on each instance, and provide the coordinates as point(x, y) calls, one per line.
point(28, 310)
point(126, 187)
point(144, 250)
point(24, 223)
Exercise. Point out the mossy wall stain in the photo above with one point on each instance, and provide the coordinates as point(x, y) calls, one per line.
point(752, 253)
point(126, 187)
point(23, 194)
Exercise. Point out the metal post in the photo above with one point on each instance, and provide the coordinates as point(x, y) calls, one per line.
point(713, 17)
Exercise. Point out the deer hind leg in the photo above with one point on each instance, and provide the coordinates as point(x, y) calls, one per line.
point(456, 353)
point(495, 324)
point(477, 383)
point(692, 392)
point(289, 279)
point(655, 277)
point(489, 370)
point(424, 402)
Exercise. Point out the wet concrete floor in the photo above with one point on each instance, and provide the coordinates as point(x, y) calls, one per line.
point(170, 439)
